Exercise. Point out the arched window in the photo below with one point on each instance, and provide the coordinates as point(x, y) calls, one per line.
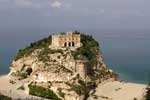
point(73, 44)
point(65, 44)
point(69, 44)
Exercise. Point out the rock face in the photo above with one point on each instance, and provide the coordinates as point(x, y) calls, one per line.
point(70, 74)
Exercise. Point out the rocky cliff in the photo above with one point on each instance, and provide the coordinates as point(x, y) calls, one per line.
point(70, 75)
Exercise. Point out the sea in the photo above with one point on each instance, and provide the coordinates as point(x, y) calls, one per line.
point(126, 52)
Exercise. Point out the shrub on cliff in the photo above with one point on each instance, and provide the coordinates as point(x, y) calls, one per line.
point(88, 50)
point(82, 88)
point(147, 97)
point(2, 97)
point(43, 55)
point(44, 43)
point(42, 92)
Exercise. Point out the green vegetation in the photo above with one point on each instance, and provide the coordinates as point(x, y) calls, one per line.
point(147, 97)
point(2, 97)
point(102, 73)
point(21, 88)
point(82, 88)
point(62, 33)
point(61, 93)
point(42, 92)
point(12, 82)
point(20, 75)
point(77, 88)
point(23, 73)
point(89, 50)
point(76, 32)
point(44, 43)
point(95, 96)
point(43, 55)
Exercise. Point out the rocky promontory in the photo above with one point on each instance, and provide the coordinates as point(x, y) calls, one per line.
point(65, 72)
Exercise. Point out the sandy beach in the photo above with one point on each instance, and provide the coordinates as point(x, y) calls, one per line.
point(112, 90)
point(11, 90)
point(119, 91)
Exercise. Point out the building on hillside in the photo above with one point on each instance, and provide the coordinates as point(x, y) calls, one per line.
point(68, 40)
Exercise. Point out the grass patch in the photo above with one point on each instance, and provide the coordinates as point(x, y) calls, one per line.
point(21, 88)
point(42, 92)
point(2, 97)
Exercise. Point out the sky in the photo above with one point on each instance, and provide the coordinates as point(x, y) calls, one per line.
point(74, 14)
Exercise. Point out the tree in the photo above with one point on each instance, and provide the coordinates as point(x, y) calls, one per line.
point(148, 92)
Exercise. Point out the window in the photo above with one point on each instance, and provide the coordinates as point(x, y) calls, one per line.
point(73, 44)
point(65, 44)
point(69, 44)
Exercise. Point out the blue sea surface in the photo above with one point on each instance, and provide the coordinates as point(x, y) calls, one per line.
point(129, 58)
point(127, 54)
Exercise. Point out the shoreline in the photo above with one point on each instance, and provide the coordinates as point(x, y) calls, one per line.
point(11, 90)
point(110, 89)
point(127, 79)
point(116, 90)
point(4, 75)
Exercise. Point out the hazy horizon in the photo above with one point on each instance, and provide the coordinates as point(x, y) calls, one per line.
point(75, 14)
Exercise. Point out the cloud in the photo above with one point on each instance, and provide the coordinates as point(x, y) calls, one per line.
point(38, 4)
point(102, 11)
point(67, 6)
point(56, 4)
point(23, 3)
point(139, 13)
point(1, 1)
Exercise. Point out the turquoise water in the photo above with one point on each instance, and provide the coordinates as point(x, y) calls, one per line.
point(126, 54)
point(130, 58)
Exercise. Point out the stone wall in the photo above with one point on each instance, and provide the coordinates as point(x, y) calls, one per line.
point(81, 68)
point(68, 40)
